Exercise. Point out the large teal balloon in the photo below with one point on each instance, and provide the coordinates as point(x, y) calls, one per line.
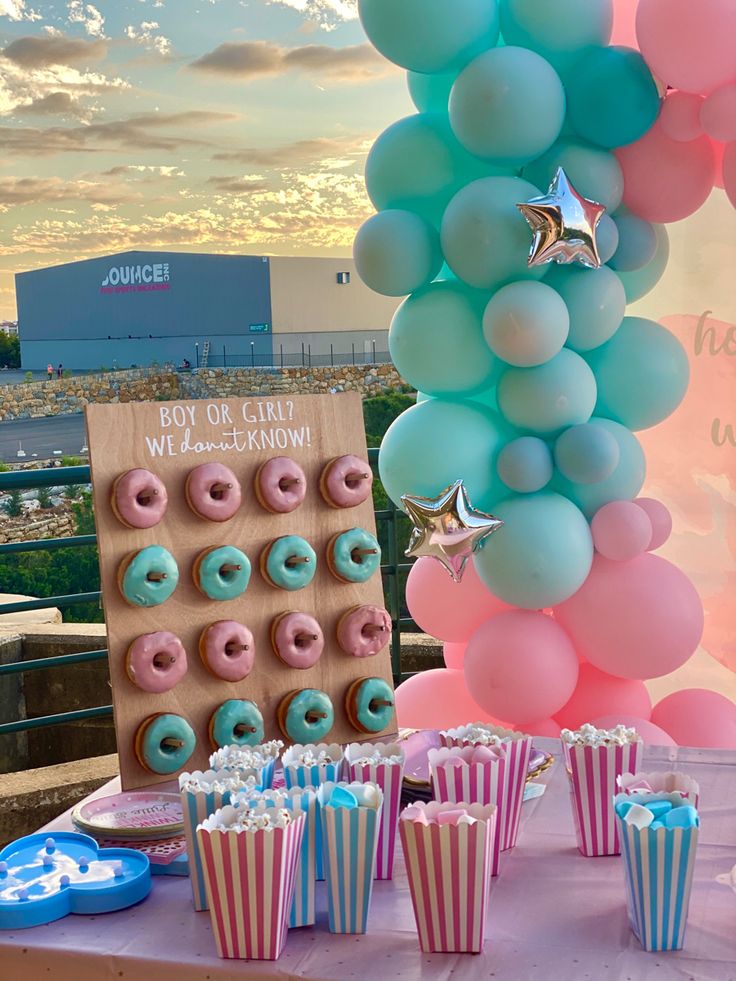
point(607, 236)
point(595, 300)
point(560, 30)
point(642, 374)
point(418, 165)
point(623, 484)
point(486, 398)
point(526, 323)
point(430, 35)
point(638, 284)
point(541, 556)
point(587, 454)
point(637, 243)
point(484, 236)
point(525, 464)
point(508, 105)
point(430, 93)
point(593, 172)
point(549, 398)
point(397, 252)
point(436, 341)
point(611, 96)
point(437, 442)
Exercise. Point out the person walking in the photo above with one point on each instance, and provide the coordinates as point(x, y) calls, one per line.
point(59, 371)
point(50, 371)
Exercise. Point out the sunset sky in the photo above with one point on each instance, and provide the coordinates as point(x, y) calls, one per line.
point(210, 125)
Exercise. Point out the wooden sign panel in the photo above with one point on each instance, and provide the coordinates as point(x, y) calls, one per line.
point(170, 439)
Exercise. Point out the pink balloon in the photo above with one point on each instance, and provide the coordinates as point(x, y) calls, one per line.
point(680, 116)
point(598, 694)
point(521, 665)
point(545, 727)
point(621, 530)
point(719, 150)
point(729, 172)
point(445, 609)
point(454, 655)
point(638, 619)
point(624, 23)
point(436, 699)
point(651, 734)
point(698, 717)
point(665, 180)
point(688, 44)
point(718, 113)
point(660, 520)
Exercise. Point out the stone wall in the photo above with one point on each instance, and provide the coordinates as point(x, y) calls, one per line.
point(56, 522)
point(68, 395)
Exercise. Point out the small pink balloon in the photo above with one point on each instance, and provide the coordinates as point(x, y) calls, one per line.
point(729, 172)
point(638, 619)
point(718, 113)
point(651, 734)
point(660, 519)
point(445, 609)
point(544, 727)
point(719, 150)
point(520, 664)
point(665, 180)
point(598, 694)
point(688, 44)
point(454, 655)
point(624, 24)
point(698, 717)
point(680, 116)
point(437, 699)
point(621, 531)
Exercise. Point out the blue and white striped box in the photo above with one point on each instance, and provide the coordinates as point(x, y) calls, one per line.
point(300, 774)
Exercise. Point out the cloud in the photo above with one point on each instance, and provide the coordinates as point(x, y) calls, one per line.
point(238, 185)
point(327, 13)
point(147, 36)
point(36, 190)
point(89, 16)
point(17, 10)
point(123, 169)
point(332, 152)
point(41, 52)
point(54, 104)
point(21, 86)
point(253, 59)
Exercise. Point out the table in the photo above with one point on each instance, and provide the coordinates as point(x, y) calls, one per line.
point(554, 915)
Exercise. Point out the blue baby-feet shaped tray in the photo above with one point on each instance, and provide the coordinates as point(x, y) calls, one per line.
point(44, 877)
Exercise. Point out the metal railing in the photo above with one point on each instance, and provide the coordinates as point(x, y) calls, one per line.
point(30, 479)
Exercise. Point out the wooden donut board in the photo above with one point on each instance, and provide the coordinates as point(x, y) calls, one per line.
point(171, 439)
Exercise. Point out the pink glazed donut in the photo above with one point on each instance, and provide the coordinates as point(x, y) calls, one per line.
point(156, 662)
point(281, 485)
point(227, 650)
point(346, 482)
point(139, 499)
point(297, 639)
point(213, 492)
point(364, 631)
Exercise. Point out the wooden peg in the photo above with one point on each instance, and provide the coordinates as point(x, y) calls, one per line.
point(373, 628)
point(360, 552)
point(241, 729)
point(381, 702)
point(229, 567)
point(305, 638)
point(286, 482)
point(315, 716)
point(236, 648)
point(161, 660)
point(156, 576)
point(298, 560)
point(171, 743)
point(145, 496)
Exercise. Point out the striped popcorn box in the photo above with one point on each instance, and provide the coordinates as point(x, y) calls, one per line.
point(311, 766)
point(593, 771)
point(643, 784)
point(249, 876)
point(351, 819)
point(658, 872)
point(258, 761)
point(448, 852)
point(382, 764)
point(201, 795)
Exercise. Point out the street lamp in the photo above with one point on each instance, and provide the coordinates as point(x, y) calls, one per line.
point(252, 354)
point(196, 353)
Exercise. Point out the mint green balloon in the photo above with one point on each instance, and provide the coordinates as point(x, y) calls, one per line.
point(525, 464)
point(554, 396)
point(595, 173)
point(436, 341)
point(508, 105)
point(607, 236)
point(397, 252)
point(485, 239)
point(637, 243)
point(430, 93)
point(623, 484)
point(559, 30)
point(526, 323)
point(541, 556)
point(595, 300)
point(418, 165)
point(430, 35)
point(642, 374)
point(433, 444)
point(487, 398)
point(638, 284)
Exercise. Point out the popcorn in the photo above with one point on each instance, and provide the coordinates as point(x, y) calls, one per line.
point(374, 754)
point(250, 819)
point(246, 757)
point(477, 733)
point(313, 756)
point(215, 782)
point(589, 735)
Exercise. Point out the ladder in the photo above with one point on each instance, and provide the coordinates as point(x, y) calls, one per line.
point(205, 355)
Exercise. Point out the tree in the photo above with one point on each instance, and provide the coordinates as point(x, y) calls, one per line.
point(13, 504)
point(9, 351)
point(44, 499)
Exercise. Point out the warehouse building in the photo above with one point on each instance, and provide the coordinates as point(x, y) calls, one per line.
point(143, 308)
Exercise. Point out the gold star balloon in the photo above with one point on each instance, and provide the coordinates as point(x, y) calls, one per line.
point(448, 528)
point(564, 225)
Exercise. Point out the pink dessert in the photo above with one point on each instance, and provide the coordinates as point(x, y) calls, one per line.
point(213, 492)
point(139, 499)
point(227, 650)
point(156, 662)
point(364, 631)
point(297, 639)
point(346, 482)
point(281, 485)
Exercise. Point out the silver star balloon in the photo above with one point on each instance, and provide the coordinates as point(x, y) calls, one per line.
point(564, 225)
point(448, 528)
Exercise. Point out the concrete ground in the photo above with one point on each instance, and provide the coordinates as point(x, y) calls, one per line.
point(42, 437)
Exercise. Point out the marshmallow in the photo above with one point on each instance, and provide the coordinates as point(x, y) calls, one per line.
point(681, 817)
point(641, 817)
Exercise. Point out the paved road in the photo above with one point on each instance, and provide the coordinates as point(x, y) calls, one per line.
point(42, 437)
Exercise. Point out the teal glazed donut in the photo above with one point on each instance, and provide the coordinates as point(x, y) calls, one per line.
point(148, 577)
point(289, 563)
point(164, 743)
point(369, 704)
point(353, 556)
point(222, 573)
point(236, 722)
point(306, 716)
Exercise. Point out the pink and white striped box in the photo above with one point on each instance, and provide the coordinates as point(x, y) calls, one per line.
point(389, 777)
point(660, 783)
point(249, 878)
point(593, 772)
point(449, 871)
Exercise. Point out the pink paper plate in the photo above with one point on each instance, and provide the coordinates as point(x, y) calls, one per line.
point(417, 745)
point(136, 814)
